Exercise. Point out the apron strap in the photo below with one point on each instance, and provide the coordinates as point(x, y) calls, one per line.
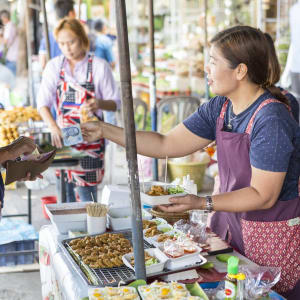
point(89, 72)
point(264, 103)
point(223, 110)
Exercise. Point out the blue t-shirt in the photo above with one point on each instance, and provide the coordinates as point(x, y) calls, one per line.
point(275, 136)
point(103, 48)
point(54, 48)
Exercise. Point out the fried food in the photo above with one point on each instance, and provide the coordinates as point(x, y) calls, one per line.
point(157, 190)
point(102, 251)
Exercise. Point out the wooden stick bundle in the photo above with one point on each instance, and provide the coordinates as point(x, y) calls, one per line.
point(96, 209)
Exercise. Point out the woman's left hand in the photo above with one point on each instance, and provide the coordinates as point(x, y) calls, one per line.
point(29, 178)
point(183, 203)
point(92, 105)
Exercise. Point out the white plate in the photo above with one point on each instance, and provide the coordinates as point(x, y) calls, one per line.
point(156, 200)
point(162, 258)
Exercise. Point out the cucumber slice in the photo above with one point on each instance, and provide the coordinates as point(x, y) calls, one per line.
point(223, 257)
point(196, 290)
point(207, 265)
point(137, 283)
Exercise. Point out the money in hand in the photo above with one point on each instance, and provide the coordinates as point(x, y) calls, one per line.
point(72, 135)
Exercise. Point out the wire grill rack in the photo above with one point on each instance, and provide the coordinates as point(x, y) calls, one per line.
point(103, 276)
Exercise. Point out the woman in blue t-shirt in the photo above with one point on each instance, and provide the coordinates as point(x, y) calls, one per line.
point(258, 144)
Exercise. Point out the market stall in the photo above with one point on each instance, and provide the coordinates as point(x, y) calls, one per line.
point(65, 276)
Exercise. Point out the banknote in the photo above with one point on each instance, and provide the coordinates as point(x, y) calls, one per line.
point(72, 135)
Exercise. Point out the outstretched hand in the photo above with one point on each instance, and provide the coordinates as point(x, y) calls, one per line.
point(183, 203)
point(91, 131)
point(22, 145)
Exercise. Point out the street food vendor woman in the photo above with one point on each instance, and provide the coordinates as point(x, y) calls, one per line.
point(79, 86)
point(258, 144)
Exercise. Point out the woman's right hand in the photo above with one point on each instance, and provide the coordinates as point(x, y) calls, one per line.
point(56, 136)
point(91, 131)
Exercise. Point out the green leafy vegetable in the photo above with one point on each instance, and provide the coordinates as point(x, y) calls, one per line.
point(175, 190)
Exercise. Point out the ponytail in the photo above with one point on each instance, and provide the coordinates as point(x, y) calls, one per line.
point(276, 92)
point(274, 72)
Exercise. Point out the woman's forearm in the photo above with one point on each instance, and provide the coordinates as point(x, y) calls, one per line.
point(143, 138)
point(47, 116)
point(177, 142)
point(109, 105)
point(246, 199)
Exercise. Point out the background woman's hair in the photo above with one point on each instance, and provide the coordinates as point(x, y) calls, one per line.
point(248, 45)
point(76, 28)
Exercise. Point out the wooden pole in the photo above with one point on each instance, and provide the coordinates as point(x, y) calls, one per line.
point(46, 31)
point(152, 82)
point(29, 53)
point(79, 9)
point(130, 139)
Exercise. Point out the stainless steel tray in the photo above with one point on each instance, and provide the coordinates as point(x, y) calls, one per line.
point(111, 276)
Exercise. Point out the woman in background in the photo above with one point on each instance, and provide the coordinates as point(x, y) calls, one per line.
point(77, 83)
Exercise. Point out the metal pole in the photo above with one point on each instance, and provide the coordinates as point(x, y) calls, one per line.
point(29, 206)
point(152, 82)
point(131, 153)
point(206, 49)
point(29, 53)
point(45, 26)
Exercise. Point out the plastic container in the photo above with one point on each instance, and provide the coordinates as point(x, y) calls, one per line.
point(156, 200)
point(47, 200)
point(154, 252)
point(16, 259)
point(119, 218)
point(69, 218)
point(196, 171)
point(185, 260)
point(96, 225)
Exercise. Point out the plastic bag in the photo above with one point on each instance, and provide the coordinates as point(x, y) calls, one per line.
point(259, 280)
point(195, 228)
point(172, 249)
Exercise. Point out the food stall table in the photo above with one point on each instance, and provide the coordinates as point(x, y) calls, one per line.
point(60, 280)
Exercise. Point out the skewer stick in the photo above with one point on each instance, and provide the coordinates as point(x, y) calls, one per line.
point(166, 171)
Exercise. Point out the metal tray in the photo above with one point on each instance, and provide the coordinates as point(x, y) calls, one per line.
point(112, 276)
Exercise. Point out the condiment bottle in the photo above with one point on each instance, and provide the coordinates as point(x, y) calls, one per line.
point(230, 279)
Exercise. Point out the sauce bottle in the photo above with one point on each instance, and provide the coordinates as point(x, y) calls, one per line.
point(231, 283)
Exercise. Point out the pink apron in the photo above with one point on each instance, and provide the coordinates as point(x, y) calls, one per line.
point(267, 237)
point(70, 97)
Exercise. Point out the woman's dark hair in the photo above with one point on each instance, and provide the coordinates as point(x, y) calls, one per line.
point(248, 45)
point(98, 25)
point(5, 13)
point(63, 8)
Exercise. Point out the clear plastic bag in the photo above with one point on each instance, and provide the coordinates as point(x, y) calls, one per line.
point(259, 281)
point(195, 228)
point(172, 249)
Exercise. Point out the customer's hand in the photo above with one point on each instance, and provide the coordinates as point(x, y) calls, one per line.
point(91, 131)
point(56, 136)
point(29, 178)
point(183, 203)
point(22, 145)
